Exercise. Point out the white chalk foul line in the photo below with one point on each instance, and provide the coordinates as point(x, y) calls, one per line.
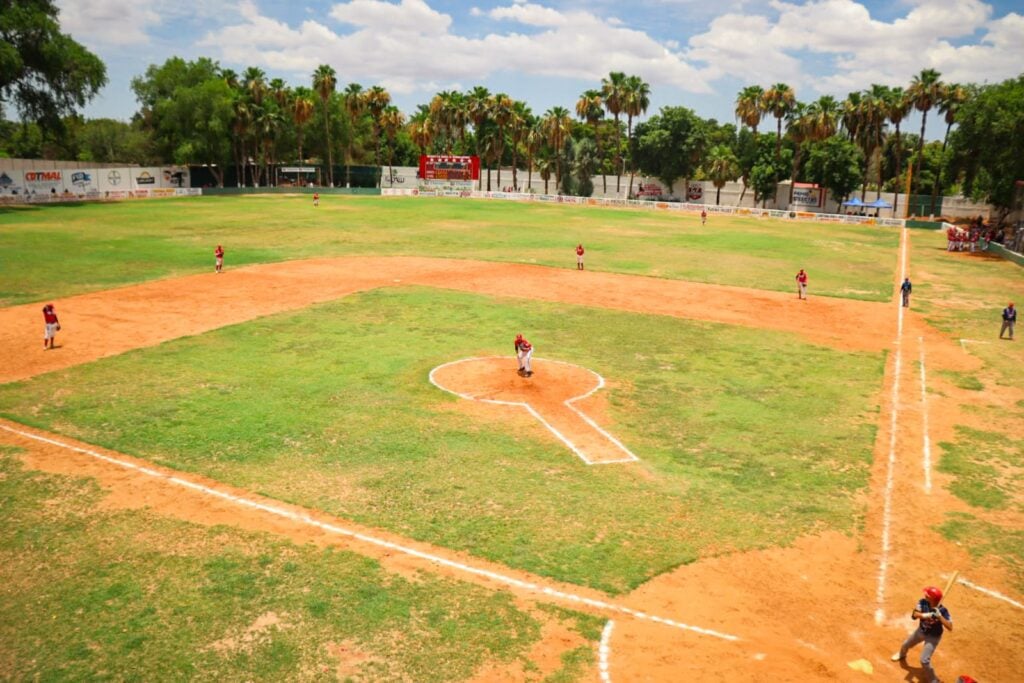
point(405, 550)
point(965, 342)
point(630, 457)
point(926, 443)
point(883, 561)
point(990, 592)
point(604, 652)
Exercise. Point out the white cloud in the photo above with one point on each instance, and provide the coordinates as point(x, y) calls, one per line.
point(410, 47)
point(108, 22)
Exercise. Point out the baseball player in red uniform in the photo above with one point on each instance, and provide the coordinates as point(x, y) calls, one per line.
point(218, 258)
point(316, 199)
point(524, 352)
point(52, 326)
point(579, 257)
point(801, 285)
point(703, 216)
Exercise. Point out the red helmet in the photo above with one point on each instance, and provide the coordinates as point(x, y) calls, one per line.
point(933, 594)
point(519, 336)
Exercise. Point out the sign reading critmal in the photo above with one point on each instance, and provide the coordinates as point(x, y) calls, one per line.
point(695, 193)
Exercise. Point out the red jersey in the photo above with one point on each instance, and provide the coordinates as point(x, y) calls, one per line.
point(579, 250)
point(218, 252)
point(48, 315)
point(801, 277)
point(523, 344)
point(316, 196)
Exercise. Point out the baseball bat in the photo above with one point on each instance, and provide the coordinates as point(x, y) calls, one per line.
point(950, 584)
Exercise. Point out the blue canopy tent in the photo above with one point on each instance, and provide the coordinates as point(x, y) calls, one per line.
point(856, 202)
point(879, 204)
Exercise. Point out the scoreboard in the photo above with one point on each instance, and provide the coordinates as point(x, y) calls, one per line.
point(449, 168)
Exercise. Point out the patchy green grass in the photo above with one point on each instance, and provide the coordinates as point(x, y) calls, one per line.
point(988, 468)
point(963, 380)
point(91, 594)
point(984, 539)
point(747, 438)
point(100, 246)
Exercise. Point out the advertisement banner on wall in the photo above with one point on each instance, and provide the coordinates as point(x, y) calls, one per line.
point(695, 192)
point(808, 196)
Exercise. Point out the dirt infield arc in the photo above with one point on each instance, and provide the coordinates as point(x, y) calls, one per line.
point(801, 613)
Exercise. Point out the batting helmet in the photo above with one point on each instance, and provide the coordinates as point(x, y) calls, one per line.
point(933, 594)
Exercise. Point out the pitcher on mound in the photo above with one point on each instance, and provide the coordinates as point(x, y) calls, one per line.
point(524, 353)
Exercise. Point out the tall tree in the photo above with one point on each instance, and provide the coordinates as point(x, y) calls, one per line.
point(638, 98)
point(324, 82)
point(355, 105)
point(519, 126)
point(778, 100)
point(722, 167)
point(557, 127)
point(749, 111)
point(924, 93)
point(534, 141)
point(835, 165)
point(501, 112)
point(421, 129)
point(377, 102)
point(301, 112)
point(590, 108)
point(44, 74)
point(392, 121)
point(671, 144)
point(950, 101)
point(478, 106)
point(613, 91)
point(897, 106)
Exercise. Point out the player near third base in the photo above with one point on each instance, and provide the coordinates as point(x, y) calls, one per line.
point(524, 354)
point(934, 620)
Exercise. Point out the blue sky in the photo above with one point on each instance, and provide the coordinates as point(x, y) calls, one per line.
point(546, 52)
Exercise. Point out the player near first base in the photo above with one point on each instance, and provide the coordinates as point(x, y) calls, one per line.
point(524, 354)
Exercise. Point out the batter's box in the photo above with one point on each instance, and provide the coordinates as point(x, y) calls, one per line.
point(549, 396)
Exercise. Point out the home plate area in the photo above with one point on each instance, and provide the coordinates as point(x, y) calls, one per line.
point(549, 396)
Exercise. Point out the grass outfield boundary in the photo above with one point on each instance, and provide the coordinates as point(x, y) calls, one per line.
point(505, 579)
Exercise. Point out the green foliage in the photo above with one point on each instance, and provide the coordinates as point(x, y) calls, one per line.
point(44, 73)
point(670, 144)
point(757, 436)
point(988, 467)
point(985, 539)
point(988, 143)
point(835, 164)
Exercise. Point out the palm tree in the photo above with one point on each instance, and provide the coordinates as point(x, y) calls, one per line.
point(544, 168)
point(778, 101)
point(613, 90)
point(241, 123)
point(749, 111)
point(324, 80)
point(422, 129)
point(280, 92)
point(801, 126)
point(519, 125)
point(638, 98)
point(953, 96)
point(355, 105)
point(924, 93)
point(897, 106)
point(377, 101)
point(501, 112)
point(723, 166)
point(557, 126)
point(478, 108)
point(441, 116)
point(392, 121)
point(254, 81)
point(590, 108)
point(871, 126)
point(302, 112)
point(534, 140)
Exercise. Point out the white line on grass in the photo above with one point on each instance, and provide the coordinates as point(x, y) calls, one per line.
point(988, 591)
point(964, 342)
point(341, 531)
point(926, 443)
point(630, 457)
point(604, 651)
point(883, 561)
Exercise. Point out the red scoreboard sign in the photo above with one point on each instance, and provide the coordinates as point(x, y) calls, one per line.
point(439, 167)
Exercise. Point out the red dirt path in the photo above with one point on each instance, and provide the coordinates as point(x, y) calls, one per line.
point(802, 612)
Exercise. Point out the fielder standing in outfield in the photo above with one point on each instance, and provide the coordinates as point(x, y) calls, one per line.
point(316, 199)
point(1009, 320)
point(801, 285)
point(579, 257)
point(703, 216)
point(51, 326)
point(934, 620)
point(524, 353)
point(905, 290)
point(218, 259)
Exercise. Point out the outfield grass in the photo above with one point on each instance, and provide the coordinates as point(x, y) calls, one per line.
point(58, 251)
point(748, 438)
point(93, 594)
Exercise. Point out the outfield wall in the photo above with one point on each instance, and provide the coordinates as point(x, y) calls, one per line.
point(48, 183)
point(679, 207)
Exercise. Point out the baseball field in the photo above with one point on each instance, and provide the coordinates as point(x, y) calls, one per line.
point(321, 464)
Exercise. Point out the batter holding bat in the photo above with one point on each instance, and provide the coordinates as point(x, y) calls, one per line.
point(934, 620)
